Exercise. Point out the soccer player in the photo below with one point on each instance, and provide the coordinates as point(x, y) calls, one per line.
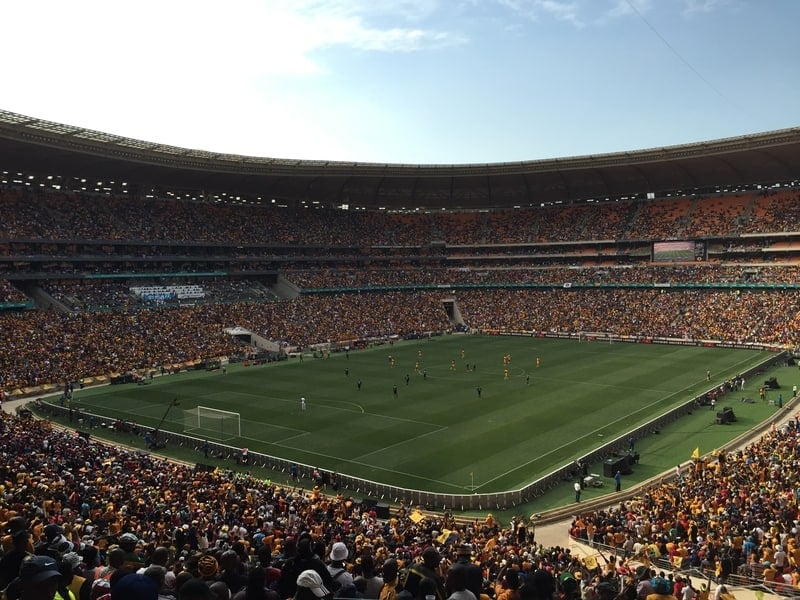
point(358, 385)
point(394, 391)
point(302, 403)
point(505, 373)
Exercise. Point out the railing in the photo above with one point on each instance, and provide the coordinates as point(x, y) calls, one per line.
point(697, 574)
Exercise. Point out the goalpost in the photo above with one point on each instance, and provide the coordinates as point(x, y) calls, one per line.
point(213, 423)
point(598, 336)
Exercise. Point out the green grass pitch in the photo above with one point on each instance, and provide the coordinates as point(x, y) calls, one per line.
point(437, 433)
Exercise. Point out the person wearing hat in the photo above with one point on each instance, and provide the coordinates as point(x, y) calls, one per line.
point(662, 590)
point(128, 542)
point(73, 576)
point(337, 566)
point(304, 560)
point(207, 567)
point(310, 586)
point(39, 578)
point(605, 590)
point(134, 586)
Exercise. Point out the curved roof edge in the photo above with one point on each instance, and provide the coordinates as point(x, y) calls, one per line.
point(28, 142)
point(43, 129)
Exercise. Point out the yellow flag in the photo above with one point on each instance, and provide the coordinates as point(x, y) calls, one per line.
point(416, 516)
point(696, 453)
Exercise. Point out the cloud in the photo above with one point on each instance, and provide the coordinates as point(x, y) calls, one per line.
point(535, 10)
point(625, 8)
point(692, 7)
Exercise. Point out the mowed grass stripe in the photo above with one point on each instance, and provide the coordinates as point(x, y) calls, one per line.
point(437, 431)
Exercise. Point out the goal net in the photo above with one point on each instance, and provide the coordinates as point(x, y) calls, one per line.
point(212, 423)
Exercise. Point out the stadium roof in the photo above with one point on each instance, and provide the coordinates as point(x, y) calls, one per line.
point(29, 144)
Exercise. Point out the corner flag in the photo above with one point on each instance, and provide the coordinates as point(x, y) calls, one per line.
point(696, 453)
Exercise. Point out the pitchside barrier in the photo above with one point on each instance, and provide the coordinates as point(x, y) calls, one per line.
point(385, 493)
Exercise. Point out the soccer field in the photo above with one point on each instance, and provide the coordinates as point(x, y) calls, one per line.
point(438, 433)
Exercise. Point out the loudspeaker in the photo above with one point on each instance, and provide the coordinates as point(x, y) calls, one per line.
point(382, 510)
point(618, 463)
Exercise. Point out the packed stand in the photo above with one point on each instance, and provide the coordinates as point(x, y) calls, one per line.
point(81, 516)
point(8, 293)
point(38, 347)
point(87, 517)
point(733, 515)
point(700, 274)
point(51, 215)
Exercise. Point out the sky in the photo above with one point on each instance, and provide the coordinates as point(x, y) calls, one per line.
point(406, 81)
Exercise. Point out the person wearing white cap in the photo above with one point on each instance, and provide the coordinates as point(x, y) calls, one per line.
point(780, 558)
point(337, 567)
point(309, 586)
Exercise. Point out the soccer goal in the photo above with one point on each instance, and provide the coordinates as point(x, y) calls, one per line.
point(212, 423)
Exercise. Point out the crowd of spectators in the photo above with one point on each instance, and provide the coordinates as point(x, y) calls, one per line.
point(733, 515)
point(106, 512)
point(768, 317)
point(51, 215)
point(85, 504)
point(695, 273)
point(38, 347)
point(9, 293)
point(89, 295)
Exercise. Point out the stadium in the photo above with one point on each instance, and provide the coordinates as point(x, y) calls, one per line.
point(135, 274)
point(637, 247)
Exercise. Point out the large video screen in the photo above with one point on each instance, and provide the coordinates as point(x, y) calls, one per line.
point(677, 251)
